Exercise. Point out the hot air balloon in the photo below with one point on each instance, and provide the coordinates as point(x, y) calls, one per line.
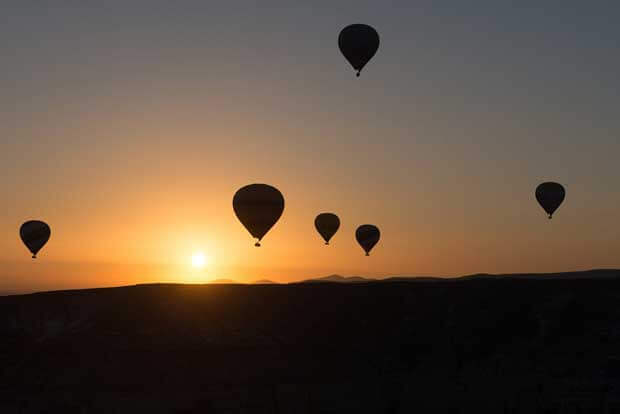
point(550, 195)
point(367, 236)
point(358, 43)
point(258, 207)
point(327, 225)
point(34, 234)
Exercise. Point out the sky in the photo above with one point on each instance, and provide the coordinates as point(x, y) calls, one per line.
point(129, 125)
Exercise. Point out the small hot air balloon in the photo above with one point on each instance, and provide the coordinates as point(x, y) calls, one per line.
point(367, 236)
point(550, 195)
point(258, 207)
point(327, 225)
point(34, 234)
point(358, 43)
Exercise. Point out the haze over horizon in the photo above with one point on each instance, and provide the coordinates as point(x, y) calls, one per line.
point(129, 127)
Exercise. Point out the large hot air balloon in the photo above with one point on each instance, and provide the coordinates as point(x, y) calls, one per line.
point(358, 43)
point(34, 234)
point(327, 225)
point(367, 236)
point(258, 207)
point(550, 195)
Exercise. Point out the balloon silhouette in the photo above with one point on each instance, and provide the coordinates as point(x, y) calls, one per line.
point(550, 195)
point(358, 43)
point(34, 234)
point(327, 225)
point(367, 236)
point(258, 207)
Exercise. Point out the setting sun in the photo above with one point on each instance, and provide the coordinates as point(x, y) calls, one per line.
point(199, 260)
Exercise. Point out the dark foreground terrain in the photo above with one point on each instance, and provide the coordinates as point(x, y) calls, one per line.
point(476, 345)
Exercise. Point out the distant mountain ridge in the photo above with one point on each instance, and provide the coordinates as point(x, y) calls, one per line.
point(339, 279)
point(593, 274)
point(581, 274)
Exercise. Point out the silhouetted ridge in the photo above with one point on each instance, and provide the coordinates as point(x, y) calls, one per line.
point(339, 279)
point(345, 347)
point(586, 274)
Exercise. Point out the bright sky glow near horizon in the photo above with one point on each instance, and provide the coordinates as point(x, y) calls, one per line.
point(128, 127)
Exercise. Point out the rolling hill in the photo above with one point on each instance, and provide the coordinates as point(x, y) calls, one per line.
point(517, 344)
point(338, 279)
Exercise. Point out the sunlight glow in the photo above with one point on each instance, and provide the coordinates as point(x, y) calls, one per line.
point(199, 260)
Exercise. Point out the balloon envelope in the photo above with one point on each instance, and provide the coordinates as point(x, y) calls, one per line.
point(367, 236)
point(327, 225)
point(358, 43)
point(258, 207)
point(550, 195)
point(34, 234)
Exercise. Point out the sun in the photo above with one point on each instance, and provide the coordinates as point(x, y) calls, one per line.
point(199, 260)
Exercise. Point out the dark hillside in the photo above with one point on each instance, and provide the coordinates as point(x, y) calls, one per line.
point(481, 345)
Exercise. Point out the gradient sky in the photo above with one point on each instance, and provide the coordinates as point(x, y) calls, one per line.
point(129, 125)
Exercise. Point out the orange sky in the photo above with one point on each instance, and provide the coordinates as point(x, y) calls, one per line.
point(130, 142)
